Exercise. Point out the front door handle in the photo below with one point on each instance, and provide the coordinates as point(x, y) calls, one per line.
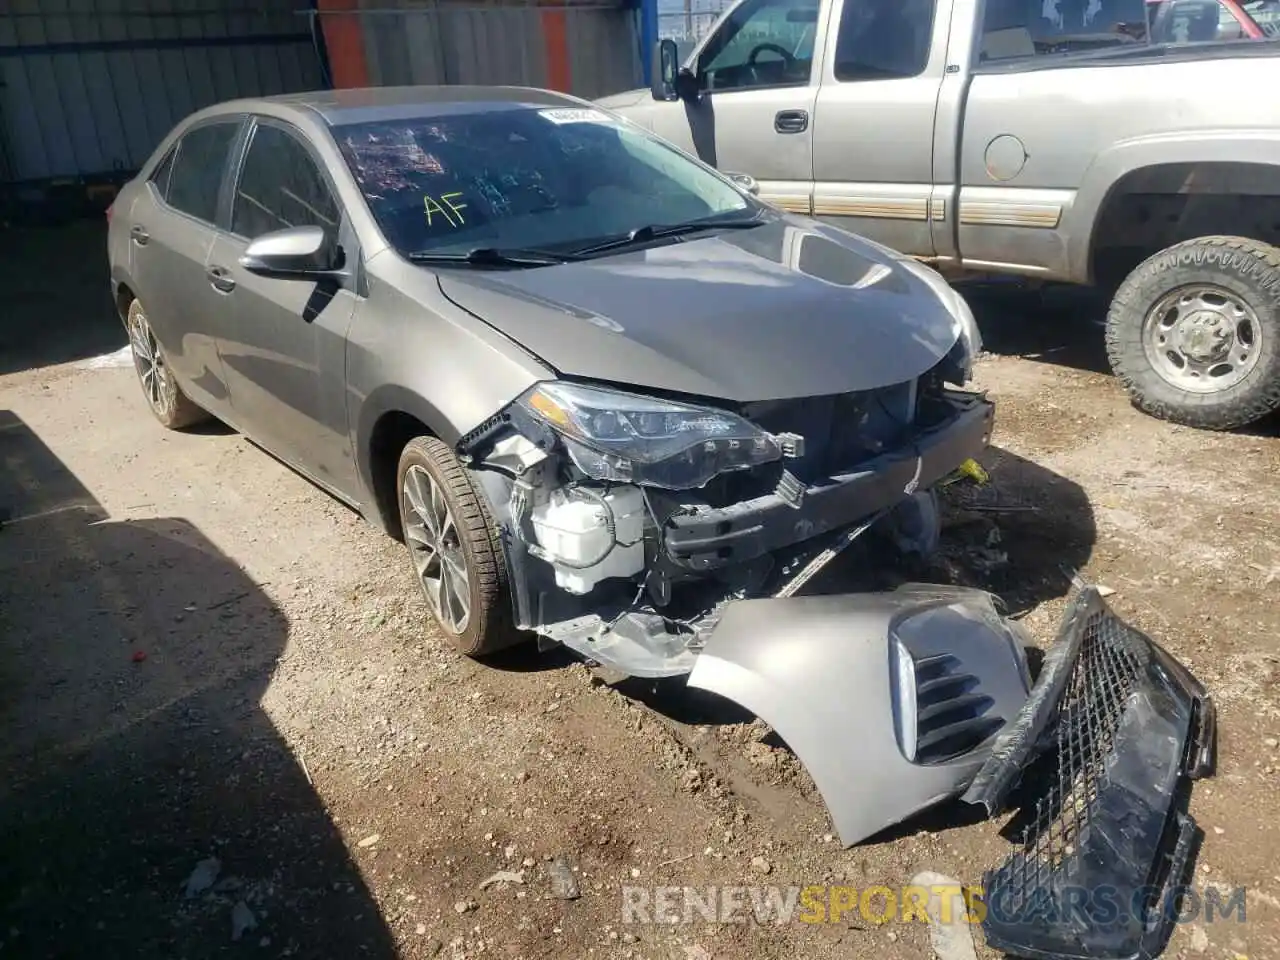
point(791, 121)
point(139, 235)
point(220, 279)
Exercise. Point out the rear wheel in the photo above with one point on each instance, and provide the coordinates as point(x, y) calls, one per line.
point(170, 405)
point(454, 548)
point(1194, 333)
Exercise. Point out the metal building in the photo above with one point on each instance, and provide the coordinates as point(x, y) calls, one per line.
point(586, 47)
point(88, 87)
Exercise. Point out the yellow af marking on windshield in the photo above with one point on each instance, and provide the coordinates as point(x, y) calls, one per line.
point(445, 207)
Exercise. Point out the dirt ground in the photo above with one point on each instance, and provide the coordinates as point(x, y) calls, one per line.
point(202, 656)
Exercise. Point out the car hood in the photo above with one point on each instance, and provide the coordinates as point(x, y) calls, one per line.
point(784, 310)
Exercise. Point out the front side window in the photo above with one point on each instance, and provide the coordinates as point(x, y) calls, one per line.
point(522, 177)
point(198, 167)
point(883, 39)
point(762, 43)
point(1014, 29)
point(280, 186)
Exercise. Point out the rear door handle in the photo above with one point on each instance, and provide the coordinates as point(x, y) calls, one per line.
point(791, 121)
point(220, 279)
point(139, 235)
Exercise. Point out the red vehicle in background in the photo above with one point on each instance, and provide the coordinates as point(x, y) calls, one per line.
point(1201, 21)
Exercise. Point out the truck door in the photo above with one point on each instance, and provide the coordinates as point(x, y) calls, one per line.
point(758, 85)
point(874, 123)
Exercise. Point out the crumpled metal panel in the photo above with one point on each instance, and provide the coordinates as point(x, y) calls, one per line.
point(818, 671)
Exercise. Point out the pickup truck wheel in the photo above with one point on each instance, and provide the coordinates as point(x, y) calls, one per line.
point(1194, 333)
point(457, 558)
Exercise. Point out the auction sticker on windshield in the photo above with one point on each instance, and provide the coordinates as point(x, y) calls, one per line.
point(574, 115)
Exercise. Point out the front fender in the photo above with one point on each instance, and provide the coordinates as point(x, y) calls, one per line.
point(824, 672)
point(1127, 156)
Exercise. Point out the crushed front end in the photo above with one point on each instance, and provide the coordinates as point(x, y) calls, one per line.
point(629, 521)
point(1098, 764)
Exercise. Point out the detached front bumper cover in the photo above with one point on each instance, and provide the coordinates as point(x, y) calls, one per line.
point(1097, 761)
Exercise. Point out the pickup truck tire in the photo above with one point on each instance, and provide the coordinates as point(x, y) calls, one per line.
point(453, 546)
point(1194, 333)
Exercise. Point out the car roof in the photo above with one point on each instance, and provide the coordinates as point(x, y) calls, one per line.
point(358, 105)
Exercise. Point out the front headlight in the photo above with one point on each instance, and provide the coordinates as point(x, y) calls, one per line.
point(630, 438)
point(970, 339)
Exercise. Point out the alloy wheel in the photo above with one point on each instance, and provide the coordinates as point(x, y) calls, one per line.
point(149, 362)
point(438, 557)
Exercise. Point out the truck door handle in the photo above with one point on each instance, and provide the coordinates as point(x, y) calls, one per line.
point(791, 121)
point(220, 279)
point(139, 235)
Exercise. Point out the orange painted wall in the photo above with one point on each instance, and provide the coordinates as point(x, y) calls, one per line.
point(344, 42)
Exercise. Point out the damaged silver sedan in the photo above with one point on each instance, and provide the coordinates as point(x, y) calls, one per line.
point(605, 396)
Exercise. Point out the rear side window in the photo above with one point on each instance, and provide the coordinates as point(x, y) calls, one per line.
point(1019, 29)
point(280, 186)
point(160, 176)
point(883, 39)
point(198, 167)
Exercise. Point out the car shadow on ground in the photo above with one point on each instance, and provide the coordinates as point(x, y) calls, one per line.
point(57, 296)
point(1056, 324)
point(135, 755)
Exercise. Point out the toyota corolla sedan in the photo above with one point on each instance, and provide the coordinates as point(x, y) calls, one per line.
point(596, 387)
point(601, 392)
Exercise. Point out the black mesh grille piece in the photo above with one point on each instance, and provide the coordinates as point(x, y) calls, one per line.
point(1112, 659)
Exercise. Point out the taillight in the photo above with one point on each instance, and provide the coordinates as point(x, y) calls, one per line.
point(109, 209)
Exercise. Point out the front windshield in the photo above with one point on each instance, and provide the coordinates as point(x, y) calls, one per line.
point(523, 177)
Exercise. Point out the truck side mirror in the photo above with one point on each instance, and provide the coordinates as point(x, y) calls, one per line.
point(666, 70)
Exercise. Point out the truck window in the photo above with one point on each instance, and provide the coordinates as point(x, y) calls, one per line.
point(1193, 21)
point(763, 43)
point(882, 39)
point(1266, 13)
point(1014, 29)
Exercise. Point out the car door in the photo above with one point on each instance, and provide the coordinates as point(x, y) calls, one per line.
point(757, 85)
point(285, 349)
point(874, 121)
point(171, 230)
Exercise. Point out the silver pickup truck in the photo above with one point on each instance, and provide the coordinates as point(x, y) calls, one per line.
point(1065, 140)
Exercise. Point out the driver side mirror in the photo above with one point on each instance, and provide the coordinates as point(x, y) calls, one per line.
point(669, 80)
point(296, 253)
point(666, 68)
point(746, 181)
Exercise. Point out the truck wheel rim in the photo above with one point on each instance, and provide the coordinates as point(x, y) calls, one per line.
point(1202, 339)
point(149, 362)
point(438, 558)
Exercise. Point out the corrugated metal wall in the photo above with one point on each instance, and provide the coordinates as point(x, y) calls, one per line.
point(589, 48)
point(90, 86)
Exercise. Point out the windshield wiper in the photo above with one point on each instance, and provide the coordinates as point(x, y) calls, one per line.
point(494, 257)
point(651, 232)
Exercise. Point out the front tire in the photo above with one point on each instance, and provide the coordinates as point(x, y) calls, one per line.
point(165, 398)
point(1194, 333)
point(453, 546)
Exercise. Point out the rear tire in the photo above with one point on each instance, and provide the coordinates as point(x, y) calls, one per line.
point(454, 549)
point(1194, 333)
point(164, 397)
